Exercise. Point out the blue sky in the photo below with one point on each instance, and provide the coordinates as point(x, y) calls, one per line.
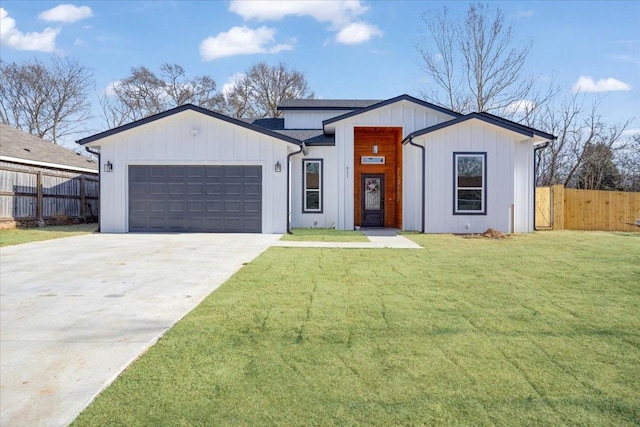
point(347, 49)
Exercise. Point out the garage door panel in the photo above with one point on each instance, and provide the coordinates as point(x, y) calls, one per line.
point(176, 188)
point(157, 206)
point(157, 172)
point(251, 189)
point(195, 198)
point(233, 207)
point(196, 189)
point(195, 207)
point(251, 207)
point(214, 172)
point(214, 207)
point(231, 172)
point(175, 207)
point(175, 171)
point(214, 189)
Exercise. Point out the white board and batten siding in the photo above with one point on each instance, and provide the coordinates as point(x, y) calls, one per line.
point(191, 138)
point(330, 184)
point(509, 169)
point(404, 114)
point(309, 119)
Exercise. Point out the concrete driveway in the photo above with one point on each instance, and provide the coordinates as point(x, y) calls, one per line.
point(76, 311)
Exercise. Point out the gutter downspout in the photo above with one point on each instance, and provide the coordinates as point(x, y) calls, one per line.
point(535, 174)
point(97, 153)
point(303, 150)
point(409, 139)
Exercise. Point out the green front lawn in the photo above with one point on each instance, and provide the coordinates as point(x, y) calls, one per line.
point(16, 236)
point(324, 235)
point(540, 329)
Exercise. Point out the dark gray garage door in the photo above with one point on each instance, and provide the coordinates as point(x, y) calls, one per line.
point(213, 199)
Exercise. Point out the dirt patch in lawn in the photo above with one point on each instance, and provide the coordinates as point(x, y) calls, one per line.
point(490, 233)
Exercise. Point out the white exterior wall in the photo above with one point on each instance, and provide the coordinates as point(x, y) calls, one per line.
point(509, 169)
point(327, 218)
point(410, 117)
point(169, 141)
point(309, 119)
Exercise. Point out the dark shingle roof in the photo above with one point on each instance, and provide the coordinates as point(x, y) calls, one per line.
point(326, 104)
point(309, 136)
point(17, 144)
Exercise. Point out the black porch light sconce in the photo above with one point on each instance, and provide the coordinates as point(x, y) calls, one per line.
point(108, 167)
point(278, 166)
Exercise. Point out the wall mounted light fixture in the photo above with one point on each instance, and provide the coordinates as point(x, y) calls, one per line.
point(278, 166)
point(108, 167)
point(375, 148)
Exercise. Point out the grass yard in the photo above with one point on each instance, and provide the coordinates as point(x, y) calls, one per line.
point(17, 236)
point(539, 329)
point(324, 235)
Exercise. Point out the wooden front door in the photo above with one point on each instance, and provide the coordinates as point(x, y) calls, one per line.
point(372, 191)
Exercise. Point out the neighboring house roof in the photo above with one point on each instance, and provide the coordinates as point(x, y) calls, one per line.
point(309, 136)
point(487, 118)
point(21, 147)
point(180, 109)
point(389, 102)
point(326, 104)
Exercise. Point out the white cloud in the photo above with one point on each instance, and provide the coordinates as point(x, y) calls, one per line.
point(520, 107)
point(341, 14)
point(357, 32)
point(241, 41)
point(525, 14)
point(338, 12)
point(66, 13)
point(44, 41)
point(587, 84)
point(628, 133)
point(226, 88)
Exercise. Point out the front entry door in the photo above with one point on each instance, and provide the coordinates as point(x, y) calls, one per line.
point(372, 200)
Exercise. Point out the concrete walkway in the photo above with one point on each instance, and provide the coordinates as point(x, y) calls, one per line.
point(378, 238)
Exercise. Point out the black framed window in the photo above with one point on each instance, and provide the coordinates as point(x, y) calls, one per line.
point(470, 183)
point(312, 185)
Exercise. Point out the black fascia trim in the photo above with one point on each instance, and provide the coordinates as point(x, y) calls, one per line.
point(484, 179)
point(320, 144)
point(180, 109)
point(505, 124)
point(321, 192)
point(404, 97)
point(512, 123)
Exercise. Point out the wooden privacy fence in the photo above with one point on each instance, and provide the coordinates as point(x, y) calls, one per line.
point(30, 194)
point(560, 208)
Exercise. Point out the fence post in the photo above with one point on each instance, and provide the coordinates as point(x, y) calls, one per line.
point(39, 199)
point(558, 206)
point(83, 202)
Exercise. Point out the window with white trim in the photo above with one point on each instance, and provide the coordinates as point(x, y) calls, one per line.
point(312, 185)
point(470, 182)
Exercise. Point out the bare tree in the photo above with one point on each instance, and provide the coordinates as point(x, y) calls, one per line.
point(49, 100)
point(628, 161)
point(583, 137)
point(259, 92)
point(475, 63)
point(143, 94)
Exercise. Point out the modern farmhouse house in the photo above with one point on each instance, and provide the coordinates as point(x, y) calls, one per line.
point(400, 163)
